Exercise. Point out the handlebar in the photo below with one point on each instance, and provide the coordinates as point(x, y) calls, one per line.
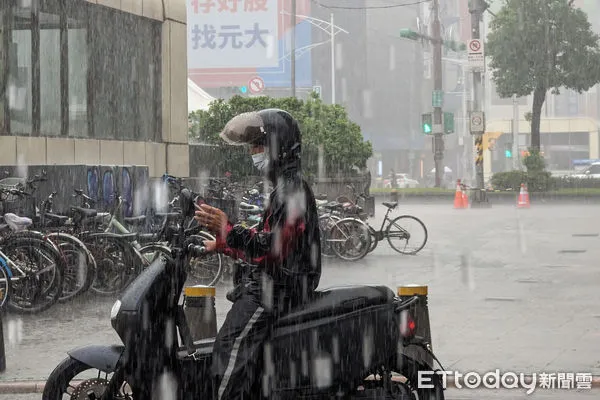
point(79, 193)
point(37, 178)
point(405, 304)
point(195, 250)
point(16, 192)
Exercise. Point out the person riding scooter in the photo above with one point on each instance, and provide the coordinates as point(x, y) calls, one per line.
point(283, 253)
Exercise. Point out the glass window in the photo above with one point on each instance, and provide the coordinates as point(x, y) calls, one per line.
point(72, 68)
point(50, 99)
point(4, 45)
point(125, 75)
point(102, 64)
point(77, 40)
point(20, 70)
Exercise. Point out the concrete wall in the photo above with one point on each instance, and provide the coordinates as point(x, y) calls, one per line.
point(170, 156)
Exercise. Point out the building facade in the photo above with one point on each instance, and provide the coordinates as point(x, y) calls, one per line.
point(100, 82)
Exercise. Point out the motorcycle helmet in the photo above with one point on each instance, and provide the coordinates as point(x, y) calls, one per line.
point(273, 128)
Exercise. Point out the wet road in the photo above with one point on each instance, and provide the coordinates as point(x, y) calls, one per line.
point(509, 289)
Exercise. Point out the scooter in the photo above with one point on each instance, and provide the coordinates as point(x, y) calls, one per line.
point(352, 342)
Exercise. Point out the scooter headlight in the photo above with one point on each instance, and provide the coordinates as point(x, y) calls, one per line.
point(114, 311)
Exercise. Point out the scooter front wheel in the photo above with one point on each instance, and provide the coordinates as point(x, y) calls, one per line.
point(65, 383)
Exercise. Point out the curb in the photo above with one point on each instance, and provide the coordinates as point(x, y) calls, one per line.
point(20, 387)
point(27, 387)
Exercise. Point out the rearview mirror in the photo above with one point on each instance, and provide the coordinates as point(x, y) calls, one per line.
point(186, 201)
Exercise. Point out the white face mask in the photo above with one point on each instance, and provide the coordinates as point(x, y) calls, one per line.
point(260, 161)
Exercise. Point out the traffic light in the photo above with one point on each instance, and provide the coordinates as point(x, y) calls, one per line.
point(508, 150)
point(243, 89)
point(448, 123)
point(427, 123)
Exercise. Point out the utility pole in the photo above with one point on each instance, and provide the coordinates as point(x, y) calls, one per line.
point(438, 130)
point(477, 8)
point(293, 54)
point(515, 131)
point(332, 34)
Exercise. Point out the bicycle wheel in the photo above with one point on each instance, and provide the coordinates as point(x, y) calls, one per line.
point(350, 239)
point(80, 266)
point(325, 224)
point(37, 274)
point(117, 264)
point(5, 274)
point(206, 270)
point(396, 230)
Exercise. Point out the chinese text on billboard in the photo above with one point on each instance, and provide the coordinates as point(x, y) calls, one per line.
point(232, 33)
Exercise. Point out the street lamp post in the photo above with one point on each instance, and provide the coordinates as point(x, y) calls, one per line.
point(329, 28)
point(437, 125)
point(332, 35)
point(293, 53)
point(438, 130)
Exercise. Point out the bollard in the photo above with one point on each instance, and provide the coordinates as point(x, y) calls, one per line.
point(200, 312)
point(2, 352)
point(420, 314)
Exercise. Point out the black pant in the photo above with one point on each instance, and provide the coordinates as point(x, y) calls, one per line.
point(238, 347)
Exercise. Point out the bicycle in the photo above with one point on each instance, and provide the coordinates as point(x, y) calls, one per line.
point(157, 243)
point(29, 284)
point(345, 237)
point(335, 211)
point(388, 233)
point(80, 266)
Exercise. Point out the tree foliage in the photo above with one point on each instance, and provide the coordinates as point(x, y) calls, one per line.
point(541, 45)
point(323, 126)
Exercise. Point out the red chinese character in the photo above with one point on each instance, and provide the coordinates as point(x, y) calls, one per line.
point(205, 7)
point(228, 5)
point(255, 5)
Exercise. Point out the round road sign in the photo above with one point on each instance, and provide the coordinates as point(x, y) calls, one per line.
point(256, 85)
point(475, 45)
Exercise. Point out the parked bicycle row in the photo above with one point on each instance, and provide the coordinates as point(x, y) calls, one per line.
point(345, 232)
point(48, 258)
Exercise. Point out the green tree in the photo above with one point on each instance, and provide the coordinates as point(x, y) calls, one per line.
point(327, 132)
point(541, 45)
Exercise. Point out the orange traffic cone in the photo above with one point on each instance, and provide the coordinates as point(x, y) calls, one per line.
point(523, 200)
point(458, 196)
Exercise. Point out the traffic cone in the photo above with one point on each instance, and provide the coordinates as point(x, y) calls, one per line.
point(458, 196)
point(523, 200)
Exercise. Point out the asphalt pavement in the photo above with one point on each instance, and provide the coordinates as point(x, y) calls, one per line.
point(509, 289)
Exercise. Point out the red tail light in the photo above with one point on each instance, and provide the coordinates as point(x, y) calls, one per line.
point(408, 326)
